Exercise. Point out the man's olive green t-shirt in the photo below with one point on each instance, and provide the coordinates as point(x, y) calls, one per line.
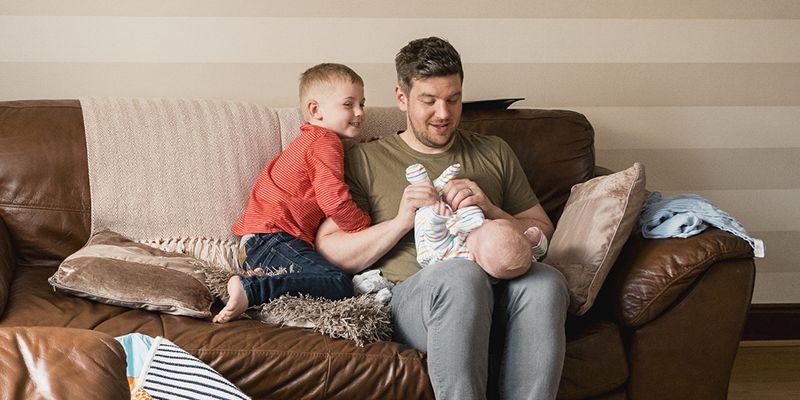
point(376, 174)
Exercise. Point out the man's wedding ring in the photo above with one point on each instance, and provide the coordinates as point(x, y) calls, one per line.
point(470, 191)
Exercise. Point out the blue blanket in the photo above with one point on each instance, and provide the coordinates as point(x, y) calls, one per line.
point(687, 215)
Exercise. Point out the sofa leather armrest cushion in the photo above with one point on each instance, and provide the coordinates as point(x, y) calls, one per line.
point(651, 274)
point(7, 264)
point(115, 270)
point(61, 363)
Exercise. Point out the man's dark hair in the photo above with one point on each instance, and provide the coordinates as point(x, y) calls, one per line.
point(424, 58)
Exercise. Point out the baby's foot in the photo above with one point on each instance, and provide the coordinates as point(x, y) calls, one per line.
point(237, 303)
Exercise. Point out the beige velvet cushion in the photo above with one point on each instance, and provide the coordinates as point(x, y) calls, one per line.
point(597, 220)
point(115, 270)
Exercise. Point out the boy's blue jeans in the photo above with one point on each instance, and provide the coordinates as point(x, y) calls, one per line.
point(308, 272)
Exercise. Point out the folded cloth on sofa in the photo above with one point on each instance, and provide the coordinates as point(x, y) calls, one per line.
point(137, 347)
point(166, 371)
point(176, 173)
point(687, 215)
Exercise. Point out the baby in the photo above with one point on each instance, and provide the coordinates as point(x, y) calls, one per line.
point(495, 245)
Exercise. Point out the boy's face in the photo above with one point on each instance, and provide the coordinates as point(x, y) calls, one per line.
point(340, 108)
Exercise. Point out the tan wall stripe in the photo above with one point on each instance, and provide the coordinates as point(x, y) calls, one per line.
point(757, 210)
point(416, 8)
point(782, 251)
point(578, 85)
point(695, 127)
point(776, 287)
point(711, 169)
point(543, 85)
point(266, 40)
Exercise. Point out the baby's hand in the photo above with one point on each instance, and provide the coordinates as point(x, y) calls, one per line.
point(533, 234)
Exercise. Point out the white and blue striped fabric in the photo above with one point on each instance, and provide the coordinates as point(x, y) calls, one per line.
point(173, 373)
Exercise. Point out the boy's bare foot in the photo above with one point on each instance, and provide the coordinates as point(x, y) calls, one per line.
point(237, 303)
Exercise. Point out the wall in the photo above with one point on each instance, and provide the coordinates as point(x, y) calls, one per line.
point(706, 92)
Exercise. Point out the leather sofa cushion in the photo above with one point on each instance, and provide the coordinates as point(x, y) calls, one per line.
point(61, 363)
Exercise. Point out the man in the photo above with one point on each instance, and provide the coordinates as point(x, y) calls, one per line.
point(449, 308)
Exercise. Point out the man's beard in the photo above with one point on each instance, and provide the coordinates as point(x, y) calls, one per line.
point(423, 138)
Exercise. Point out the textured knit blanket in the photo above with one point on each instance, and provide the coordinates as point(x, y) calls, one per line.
point(177, 173)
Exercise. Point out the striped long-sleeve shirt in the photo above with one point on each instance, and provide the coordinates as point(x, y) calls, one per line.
point(440, 237)
point(300, 187)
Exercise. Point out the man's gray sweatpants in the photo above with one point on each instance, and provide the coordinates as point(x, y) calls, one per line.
point(446, 310)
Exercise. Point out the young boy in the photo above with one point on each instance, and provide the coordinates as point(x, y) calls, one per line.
point(295, 192)
point(495, 245)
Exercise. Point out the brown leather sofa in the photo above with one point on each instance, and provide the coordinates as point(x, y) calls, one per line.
point(666, 324)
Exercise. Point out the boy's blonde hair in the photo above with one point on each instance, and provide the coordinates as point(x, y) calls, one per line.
point(322, 75)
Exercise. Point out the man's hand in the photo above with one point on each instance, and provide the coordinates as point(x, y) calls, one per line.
point(414, 198)
point(463, 192)
point(460, 193)
point(441, 208)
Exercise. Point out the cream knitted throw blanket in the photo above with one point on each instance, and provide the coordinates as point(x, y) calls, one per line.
point(177, 173)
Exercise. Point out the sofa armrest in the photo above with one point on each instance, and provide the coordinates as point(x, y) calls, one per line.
point(7, 265)
point(650, 275)
point(61, 363)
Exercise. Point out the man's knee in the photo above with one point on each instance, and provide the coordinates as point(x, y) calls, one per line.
point(544, 284)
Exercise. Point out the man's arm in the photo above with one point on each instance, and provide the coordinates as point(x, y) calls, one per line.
point(355, 251)
point(534, 216)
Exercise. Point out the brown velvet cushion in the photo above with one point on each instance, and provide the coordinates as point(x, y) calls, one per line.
point(115, 270)
point(597, 220)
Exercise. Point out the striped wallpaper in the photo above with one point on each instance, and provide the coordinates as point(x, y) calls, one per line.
point(706, 93)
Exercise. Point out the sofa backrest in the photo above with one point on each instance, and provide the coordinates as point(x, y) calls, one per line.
point(44, 185)
point(44, 181)
point(555, 148)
